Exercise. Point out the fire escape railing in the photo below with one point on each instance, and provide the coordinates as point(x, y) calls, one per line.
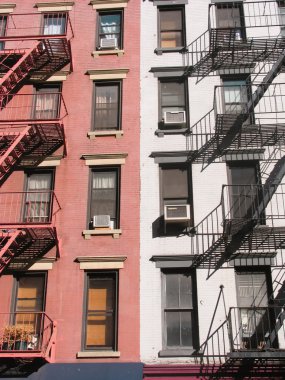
point(249, 32)
point(31, 26)
point(256, 328)
point(27, 335)
point(32, 108)
point(28, 208)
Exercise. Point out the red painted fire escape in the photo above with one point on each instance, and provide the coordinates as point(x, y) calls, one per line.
point(33, 47)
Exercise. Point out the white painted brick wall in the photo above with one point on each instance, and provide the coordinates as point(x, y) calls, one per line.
point(207, 187)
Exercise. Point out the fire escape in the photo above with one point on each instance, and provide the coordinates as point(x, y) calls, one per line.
point(31, 129)
point(249, 221)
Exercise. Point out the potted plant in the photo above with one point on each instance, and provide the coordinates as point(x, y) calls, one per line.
point(16, 337)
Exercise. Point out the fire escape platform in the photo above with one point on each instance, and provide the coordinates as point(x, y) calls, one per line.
point(257, 354)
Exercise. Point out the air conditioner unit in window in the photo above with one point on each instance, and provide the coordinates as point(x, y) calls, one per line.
point(175, 117)
point(176, 213)
point(109, 43)
point(101, 221)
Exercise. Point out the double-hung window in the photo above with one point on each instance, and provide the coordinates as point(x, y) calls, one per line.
point(110, 29)
point(231, 16)
point(178, 311)
point(38, 197)
point(101, 311)
point(171, 28)
point(105, 195)
point(173, 101)
point(54, 23)
point(46, 102)
point(3, 26)
point(107, 108)
point(29, 302)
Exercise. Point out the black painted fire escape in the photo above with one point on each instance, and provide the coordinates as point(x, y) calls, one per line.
point(249, 220)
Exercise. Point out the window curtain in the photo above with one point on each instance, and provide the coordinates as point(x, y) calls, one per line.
point(46, 105)
point(104, 181)
point(38, 198)
point(54, 24)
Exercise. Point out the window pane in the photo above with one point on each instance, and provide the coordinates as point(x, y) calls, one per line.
point(54, 24)
point(30, 293)
point(172, 290)
point(172, 94)
point(175, 183)
point(110, 25)
point(228, 17)
point(101, 304)
point(171, 34)
point(107, 107)
point(186, 328)
point(252, 289)
point(172, 328)
point(186, 291)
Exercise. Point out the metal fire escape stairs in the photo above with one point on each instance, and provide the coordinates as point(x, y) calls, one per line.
point(36, 140)
point(40, 139)
point(229, 126)
point(20, 248)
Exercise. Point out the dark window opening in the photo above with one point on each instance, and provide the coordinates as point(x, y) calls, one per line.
point(231, 16)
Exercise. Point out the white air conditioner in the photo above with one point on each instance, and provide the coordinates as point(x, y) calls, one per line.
point(176, 213)
point(109, 43)
point(174, 117)
point(101, 221)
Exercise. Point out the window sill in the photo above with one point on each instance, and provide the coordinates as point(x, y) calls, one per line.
point(117, 52)
point(177, 131)
point(97, 232)
point(98, 354)
point(176, 352)
point(92, 135)
point(160, 51)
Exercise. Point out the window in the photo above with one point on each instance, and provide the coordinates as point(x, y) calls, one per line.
point(105, 195)
point(180, 330)
point(236, 95)
point(46, 102)
point(110, 35)
point(244, 178)
point(173, 100)
point(282, 18)
point(38, 197)
point(54, 23)
point(3, 26)
point(230, 15)
point(171, 28)
point(107, 110)
point(101, 311)
point(29, 301)
point(176, 192)
point(253, 289)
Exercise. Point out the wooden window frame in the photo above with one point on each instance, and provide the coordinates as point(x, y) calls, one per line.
point(102, 12)
point(101, 273)
point(119, 85)
point(117, 170)
point(161, 125)
point(58, 89)
point(162, 9)
point(180, 350)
